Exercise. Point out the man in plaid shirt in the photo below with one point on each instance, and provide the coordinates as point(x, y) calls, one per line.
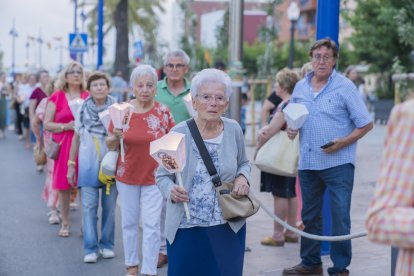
point(337, 119)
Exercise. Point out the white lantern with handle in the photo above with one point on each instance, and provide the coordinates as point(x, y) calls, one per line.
point(188, 101)
point(121, 115)
point(105, 118)
point(75, 106)
point(169, 152)
point(295, 115)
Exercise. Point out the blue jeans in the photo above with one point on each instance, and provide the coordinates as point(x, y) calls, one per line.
point(339, 181)
point(90, 204)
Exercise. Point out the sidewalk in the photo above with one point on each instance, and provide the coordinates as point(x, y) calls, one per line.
point(368, 259)
point(25, 231)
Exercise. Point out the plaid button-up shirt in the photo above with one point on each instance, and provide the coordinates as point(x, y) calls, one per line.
point(391, 214)
point(334, 113)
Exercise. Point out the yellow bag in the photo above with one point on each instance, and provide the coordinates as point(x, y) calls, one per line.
point(105, 178)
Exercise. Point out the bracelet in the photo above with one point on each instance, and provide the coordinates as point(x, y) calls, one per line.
point(70, 162)
point(62, 127)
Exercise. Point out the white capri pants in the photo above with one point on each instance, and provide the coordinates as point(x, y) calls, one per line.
point(140, 203)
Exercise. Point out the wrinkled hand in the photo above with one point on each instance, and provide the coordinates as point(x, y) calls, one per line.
point(264, 133)
point(338, 144)
point(71, 175)
point(118, 133)
point(292, 133)
point(240, 187)
point(70, 125)
point(178, 194)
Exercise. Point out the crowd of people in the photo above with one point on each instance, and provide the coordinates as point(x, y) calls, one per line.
point(150, 200)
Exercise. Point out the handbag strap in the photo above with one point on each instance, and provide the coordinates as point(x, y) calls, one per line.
point(215, 178)
point(98, 150)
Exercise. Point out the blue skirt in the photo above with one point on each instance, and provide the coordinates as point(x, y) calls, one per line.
point(207, 251)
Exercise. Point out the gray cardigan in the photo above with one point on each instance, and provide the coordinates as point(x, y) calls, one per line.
point(233, 162)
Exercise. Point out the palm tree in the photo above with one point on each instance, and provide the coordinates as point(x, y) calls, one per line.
point(124, 15)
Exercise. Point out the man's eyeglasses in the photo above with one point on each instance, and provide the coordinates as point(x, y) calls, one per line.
point(320, 58)
point(175, 66)
point(73, 72)
point(208, 99)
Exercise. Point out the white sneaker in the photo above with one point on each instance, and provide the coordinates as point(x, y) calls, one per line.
point(53, 217)
point(90, 258)
point(73, 206)
point(107, 253)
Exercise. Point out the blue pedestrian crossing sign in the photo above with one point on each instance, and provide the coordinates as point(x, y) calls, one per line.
point(138, 49)
point(78, 42)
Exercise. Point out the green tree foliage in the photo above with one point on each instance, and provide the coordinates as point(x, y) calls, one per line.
point(379, 26)
point(346, 56)
point(375, 39)
point(124, 15)
point(405, 21)
point(188, 40)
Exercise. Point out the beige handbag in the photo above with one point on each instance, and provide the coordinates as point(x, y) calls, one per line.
point(39, 155)
point(234, 207)
point(279, 155)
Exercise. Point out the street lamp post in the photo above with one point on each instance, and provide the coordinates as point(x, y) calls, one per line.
point(40, 41)
point(14, 34)
point(235, 51)
point(293, 13)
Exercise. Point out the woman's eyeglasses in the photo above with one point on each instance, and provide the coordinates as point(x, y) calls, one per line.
point(75, 72)
point(209, 98)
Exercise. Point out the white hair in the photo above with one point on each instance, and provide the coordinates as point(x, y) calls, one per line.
point(143, 70)
point(211, 75)
point(177, 53)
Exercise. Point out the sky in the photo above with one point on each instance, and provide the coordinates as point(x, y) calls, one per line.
point(48, 19)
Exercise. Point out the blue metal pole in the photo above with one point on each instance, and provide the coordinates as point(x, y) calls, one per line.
point(327, 25)
point(328, 20)
point(75, 21)
point(100, 33)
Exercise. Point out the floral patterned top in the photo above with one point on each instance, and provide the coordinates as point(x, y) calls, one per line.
point(204, 206)
point(139, 167)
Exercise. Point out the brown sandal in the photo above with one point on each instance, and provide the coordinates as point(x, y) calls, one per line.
point(272, 242)
point(132, 270)
point(64, 231)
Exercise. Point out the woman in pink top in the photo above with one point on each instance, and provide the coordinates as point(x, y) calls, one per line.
point(59, 120)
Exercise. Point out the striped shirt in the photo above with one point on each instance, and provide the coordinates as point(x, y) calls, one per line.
point(391, 213)
point(333, 113)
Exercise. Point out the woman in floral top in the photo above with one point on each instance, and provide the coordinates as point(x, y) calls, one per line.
point(140, 198)
point(207, 244)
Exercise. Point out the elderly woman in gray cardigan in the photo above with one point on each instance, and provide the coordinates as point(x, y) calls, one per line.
point(206, 244)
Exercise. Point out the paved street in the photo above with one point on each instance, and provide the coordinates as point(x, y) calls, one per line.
point(30, 246)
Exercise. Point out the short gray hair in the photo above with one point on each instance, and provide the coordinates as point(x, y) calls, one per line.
point(143, 70)
point(177, 53)
point(211, 75)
